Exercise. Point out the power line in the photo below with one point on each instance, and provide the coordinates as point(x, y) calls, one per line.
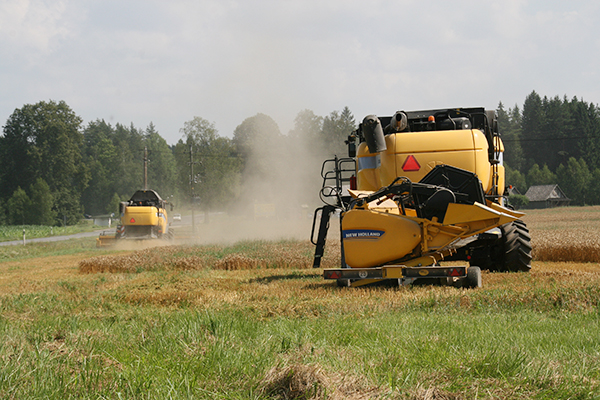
point(548, 139)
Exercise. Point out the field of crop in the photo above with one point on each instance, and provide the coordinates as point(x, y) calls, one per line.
point(566, 234)
point(253, 320)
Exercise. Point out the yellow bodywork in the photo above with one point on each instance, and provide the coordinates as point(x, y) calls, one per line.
point(465, 149)
point(144, 216)
point(136, 215)
point(149, 216)
point(379, 234)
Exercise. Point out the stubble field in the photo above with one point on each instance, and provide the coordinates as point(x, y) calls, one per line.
point(252, 319)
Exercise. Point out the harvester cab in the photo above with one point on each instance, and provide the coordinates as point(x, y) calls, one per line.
point(426, 187)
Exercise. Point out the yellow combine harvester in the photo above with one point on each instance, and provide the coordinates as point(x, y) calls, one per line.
point(143, 217)
point(421, 188)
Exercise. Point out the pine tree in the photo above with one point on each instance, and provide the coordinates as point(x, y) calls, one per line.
point(531, 131)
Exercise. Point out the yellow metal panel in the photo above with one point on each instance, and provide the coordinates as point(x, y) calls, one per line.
point(439, 236)
point(464, 213)
point(476, 218)
point(373, 238)
point(466, 149)
point(141, 216)
point(498, 144)
point(438, 141)
point(387, 171)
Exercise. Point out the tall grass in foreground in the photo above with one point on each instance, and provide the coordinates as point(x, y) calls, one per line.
point(156, 327)
point(118, 351)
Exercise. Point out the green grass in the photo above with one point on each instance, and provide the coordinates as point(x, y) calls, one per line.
point(145, 352)
point(15, 232)
point(174, 330)
point(71, 246)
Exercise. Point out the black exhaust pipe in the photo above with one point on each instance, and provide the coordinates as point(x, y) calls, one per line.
point(373, 133)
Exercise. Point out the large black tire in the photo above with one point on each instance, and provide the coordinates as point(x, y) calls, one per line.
point(509, 253)
point(515, 246)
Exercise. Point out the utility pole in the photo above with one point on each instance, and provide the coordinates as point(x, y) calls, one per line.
point(192, 183)
point(145, 167)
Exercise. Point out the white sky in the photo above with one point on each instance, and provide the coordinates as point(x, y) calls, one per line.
point(165, 62)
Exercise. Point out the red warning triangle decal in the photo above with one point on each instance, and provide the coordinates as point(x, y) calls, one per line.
point(411, 164)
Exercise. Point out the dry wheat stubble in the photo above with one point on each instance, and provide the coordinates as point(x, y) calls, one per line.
point(266, 272)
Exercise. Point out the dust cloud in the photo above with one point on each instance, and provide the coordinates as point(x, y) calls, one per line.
point(279, 192)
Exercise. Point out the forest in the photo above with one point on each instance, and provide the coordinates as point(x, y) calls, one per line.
point(553, 140)
point(55, 169)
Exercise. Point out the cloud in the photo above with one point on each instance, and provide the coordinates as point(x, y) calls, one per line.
point(166, 62)
point(34, 28)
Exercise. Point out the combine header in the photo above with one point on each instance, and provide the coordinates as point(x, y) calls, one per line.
point(423, 187)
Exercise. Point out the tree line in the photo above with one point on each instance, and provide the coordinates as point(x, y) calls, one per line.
point(553, 141)
point(55, 169)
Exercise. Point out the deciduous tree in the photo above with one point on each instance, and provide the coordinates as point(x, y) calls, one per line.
point(19, 208)
point(574, 179)
point(41, 204)
point(43, 140)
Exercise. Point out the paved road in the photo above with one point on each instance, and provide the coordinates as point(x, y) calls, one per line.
point(57, 238)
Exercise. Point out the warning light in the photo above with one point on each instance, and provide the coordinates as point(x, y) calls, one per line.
point(411, 164)
point(332, 275)
point(431, 118)
point(353, 185)
point(454, 272)
point(132, 220)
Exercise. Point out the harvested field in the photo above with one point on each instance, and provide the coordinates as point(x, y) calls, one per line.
point(562, 235)
point(565, 234)
point(241, 256)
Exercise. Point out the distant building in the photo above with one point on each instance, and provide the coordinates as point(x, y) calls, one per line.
point(102, 220)
point(546, 196)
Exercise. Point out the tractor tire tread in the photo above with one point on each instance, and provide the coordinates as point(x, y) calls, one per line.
point(517, 248)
